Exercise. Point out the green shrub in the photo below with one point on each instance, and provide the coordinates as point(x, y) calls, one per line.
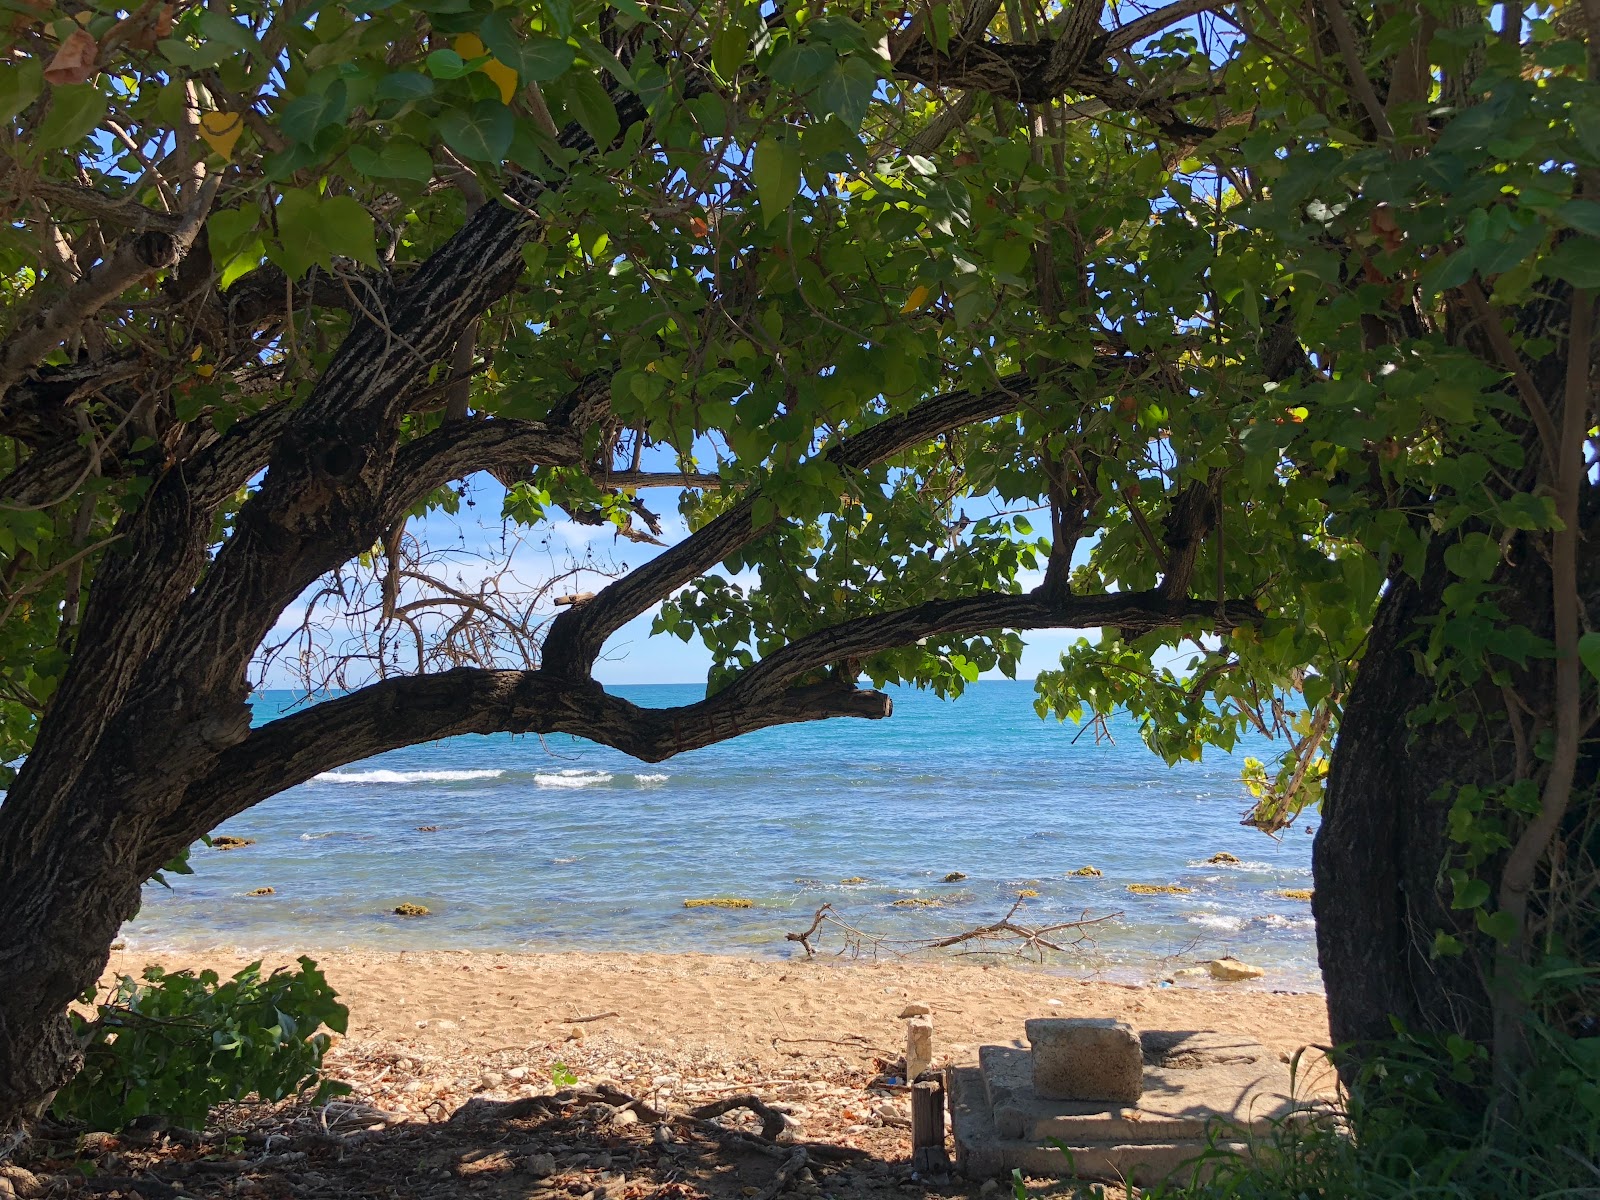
point(178, 1043)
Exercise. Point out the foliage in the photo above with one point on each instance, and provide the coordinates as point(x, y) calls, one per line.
point(178, 1043)
point(1209, 330)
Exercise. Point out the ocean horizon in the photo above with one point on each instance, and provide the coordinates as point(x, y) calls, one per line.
point(555, 843)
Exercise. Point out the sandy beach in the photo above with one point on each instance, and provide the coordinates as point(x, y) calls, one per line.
point(467, 1022)
point(627, 1076)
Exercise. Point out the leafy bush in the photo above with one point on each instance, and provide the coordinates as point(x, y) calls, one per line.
point(178, 1043)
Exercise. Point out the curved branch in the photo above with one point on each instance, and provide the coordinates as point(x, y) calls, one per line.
point(578, 635)
point(422, 708)
point(133, 259)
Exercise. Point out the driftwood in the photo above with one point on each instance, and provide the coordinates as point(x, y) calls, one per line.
point(1027, 938)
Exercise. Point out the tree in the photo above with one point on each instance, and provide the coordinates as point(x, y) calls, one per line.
point(1255, 331)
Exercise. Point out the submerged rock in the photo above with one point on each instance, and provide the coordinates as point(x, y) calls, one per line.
point(854, 879)
point(1158, 889)
point(1222, 857)
point(262, 891)
point(227, 841)
point(411, 910)
point(953, 877)
point(427, 829)
point(720, 902)
point(1027, 893)
point(1297, 893)
point(1088, 872)
point(1231, 969)
point(918, 902)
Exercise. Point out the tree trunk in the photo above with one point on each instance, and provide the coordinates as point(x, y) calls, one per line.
point(1384, 845)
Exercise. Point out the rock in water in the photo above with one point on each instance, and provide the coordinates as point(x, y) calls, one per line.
point(1222, 858)
point(1232, 969)
point(1086, 1058)
point(1088, 872)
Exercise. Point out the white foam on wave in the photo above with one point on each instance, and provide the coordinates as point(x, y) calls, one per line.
point(406, 776)
point(1276, 921)
point(650, 780)
point(1202, 863)
point(572, 779)
point(1216, 921)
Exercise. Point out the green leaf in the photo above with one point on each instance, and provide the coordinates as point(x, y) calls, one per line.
point(559, 15)
point(1501, 926)
point(396, 159)
point(74, 111)
point(347, 229)
point(589, 102)
point(797, 65)
point(1577, 260)
point(306, 116)
point(1582, 215)
point(231, 229)
point(776, 172)
point(298, 246)
point(1475, 556)
point(1471, 893)
point(1589, 652)
point(846, 90)
point(533, 56)
point(447, 64)
point(729, 49)
point(19, 86)
point(480, 134)
point(404, 86)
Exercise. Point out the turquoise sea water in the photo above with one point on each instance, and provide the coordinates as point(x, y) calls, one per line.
point(557, 843)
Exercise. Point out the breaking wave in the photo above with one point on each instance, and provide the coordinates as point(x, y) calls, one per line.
point(406, 776)
point(572, 779)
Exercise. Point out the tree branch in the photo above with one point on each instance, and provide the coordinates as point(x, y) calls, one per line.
point(577, 635)
point(133, 259)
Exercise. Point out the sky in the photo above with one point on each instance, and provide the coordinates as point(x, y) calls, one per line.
point(632, 656)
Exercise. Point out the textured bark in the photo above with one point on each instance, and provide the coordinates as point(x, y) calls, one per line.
point(1383, 844)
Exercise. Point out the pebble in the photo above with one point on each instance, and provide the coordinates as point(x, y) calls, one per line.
point(626, 1117)
point(491, 1080)
point(989, 1188)
point(915, 1009)
point(576, 1034)
point(539, 1165)
point(517, 1073)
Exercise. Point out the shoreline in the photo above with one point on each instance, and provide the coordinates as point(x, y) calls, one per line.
point(1153, 975)
point(434, 1027)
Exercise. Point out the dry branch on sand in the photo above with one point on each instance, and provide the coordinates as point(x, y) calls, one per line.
point(1026, 940)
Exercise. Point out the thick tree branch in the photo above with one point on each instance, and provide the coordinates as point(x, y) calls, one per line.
point(499, 445)
point(133, 259)
point(421, 708)
point(577, 635)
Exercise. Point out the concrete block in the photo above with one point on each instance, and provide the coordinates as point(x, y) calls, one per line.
point(1086, 1058)
point(919, 1047)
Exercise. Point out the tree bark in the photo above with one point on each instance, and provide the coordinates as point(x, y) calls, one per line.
point(1384, 844)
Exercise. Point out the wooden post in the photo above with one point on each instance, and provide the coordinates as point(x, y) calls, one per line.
point(927, 1125)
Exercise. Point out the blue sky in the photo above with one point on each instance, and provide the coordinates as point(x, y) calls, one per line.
point(632, 656)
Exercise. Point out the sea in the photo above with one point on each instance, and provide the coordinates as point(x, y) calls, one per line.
point(555, 843)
